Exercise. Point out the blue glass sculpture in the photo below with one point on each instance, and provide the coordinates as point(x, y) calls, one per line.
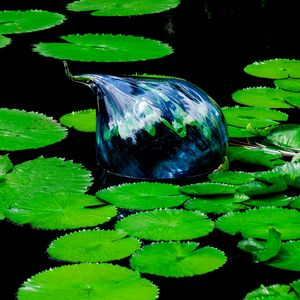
point(156, 128)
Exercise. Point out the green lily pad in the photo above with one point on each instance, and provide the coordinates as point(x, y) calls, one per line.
point(84, 120)
point(121, 7)
point(252, 188)
point(289, 84)
point(275, 68)
point(4, 41)
point(208, 188)
point(263, 251)
point(143, 196)
point(27, 130)
point(256, 117)
point(256, 222)
point(230, 177)
point(42, 177)
point(88, 281)
point(166, 224)
point(288, 257)
point(286, 136)
point(237, 132)
point(296, 286)
point(175, 259)
point(279, 200)
point(273, 292)
point(295, 203)
point(28, 21)
point(104, 48)
point(218, 205)
point(93, 246)
point(60, 211)
point(5, 166)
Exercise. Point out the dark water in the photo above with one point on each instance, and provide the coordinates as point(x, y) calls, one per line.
point(213, 41)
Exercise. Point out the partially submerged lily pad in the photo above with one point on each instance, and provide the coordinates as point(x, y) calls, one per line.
point(84, 120)
point(231, 177)
point(174, 259)
point(256, 222)
point(166, 224)
point(122, 7)
point(278, 200)
point(143, 195)
point(83, 281)
point(4, 41)
point(208, 188)
point(93, 246)
point(27, 130)
point(289, 84)
point(104, 48)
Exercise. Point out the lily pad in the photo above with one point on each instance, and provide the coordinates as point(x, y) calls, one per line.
point(174, 259)
point(289, 84)
point(256, 117)
point(5, 166)
point(166, 224)
point(279, 200)
point(252, 188)
point(230, 177)
point(296, 286)
point(254, 223)
point(4, 41)
point(93, 246)
point(218, 205)
point(83, 281)
point(288, 257)
point(143, 196)
point(208, 188)
point(237, 132)
point(104, 48)
point(16, 21)
point(27, 130)
point(84, 120)
point(60, 211)
point(275, 68)
point(122, 7)
point(295, 203)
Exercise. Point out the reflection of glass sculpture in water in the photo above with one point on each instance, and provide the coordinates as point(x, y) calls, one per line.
point(156, 128)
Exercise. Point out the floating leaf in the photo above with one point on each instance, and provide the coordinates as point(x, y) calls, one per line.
point(275, 200)
point(60, 211)
point(264, 157)
point(295, 203)
point(285, 136)
point(174, 259)
point(84, 120)
point(4, 41)
point(166, 224)
point(256, 222)
point(143, 196)
point(28, 21)
point(289, 84)
point(263, 251)
point(41, 177)
point(5, 166)
point(208, 188)
point(273, 292)
point(218, 205)
point(88, 281)
point(231, 177)
point(256, 117)
point(237, 132)
point(252, 188)
point(27, 130)
point(288, 257)
point(275, 68)
point(104, 48)
point(121, 7)
point(93, 246)
point(296, 286)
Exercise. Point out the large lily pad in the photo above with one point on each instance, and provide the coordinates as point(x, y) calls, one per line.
point(122, 7)
point(289, 84)
point(84, 120)
point(174, 259)
point(4, 41)
point(27, 130)
point(231, 177)
point(166, 224)
point(279, 200)
point(208, 188)
point(104, 48)
point(88, 281)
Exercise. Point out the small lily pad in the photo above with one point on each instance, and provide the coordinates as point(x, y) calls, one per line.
point(121, 7)
point(252, 188)
point(256, 222)
point(27, 130)
point(4, 41)
point(104, 48)
point(296, 286)
point(88, 281)
point(275, 68)
point(295, 203)
point(93, 246)
point(288, 257)
point(5, 166)
point(208, 188)
point(230, 177)
point(60, 211)
point(143, 196)
point(237, 132)
point(174, 259)
point(289, 84)
point(279, 200)
point(84, 120)
point(27, 21)
point(166, 224)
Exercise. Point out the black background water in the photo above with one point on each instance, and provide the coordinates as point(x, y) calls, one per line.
point(213, 41)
